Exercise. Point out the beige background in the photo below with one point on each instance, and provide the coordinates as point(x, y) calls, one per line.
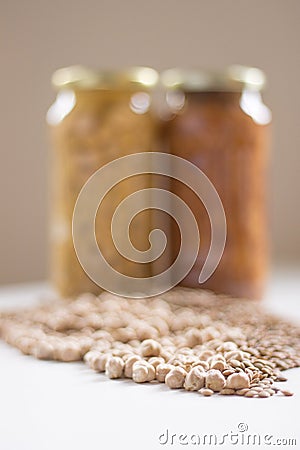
point(39, 36)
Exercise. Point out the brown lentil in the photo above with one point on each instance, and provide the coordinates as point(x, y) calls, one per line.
point(206, 392)
point(227, 391)
point(286, 393)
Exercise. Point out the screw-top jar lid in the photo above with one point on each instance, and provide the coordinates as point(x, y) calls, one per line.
point(80, 77)
point(233, 78)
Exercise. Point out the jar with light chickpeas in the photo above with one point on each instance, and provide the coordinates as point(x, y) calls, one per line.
point(97, 117)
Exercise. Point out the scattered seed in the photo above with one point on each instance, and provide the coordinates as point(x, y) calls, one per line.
point(195, 379)
point(242, 391)
point(129, 365)
point(206, 392)
point(238, 381)
point(139, 372)
point(162, 371)
point(114, 367)
point(270, 391)
point(215, 380)
point(264, 394)
point(217, 365)
point(281, 378)
point(250, 393)
point(175, 378)
point(227, 391)
point(149, 347)
point(228, 372)
point(286, 393)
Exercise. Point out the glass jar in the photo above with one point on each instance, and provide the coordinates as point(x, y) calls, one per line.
point(221, 125)
point(96, 118)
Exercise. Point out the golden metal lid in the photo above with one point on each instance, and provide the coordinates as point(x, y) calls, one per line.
point(233, 78)
point(80, 77)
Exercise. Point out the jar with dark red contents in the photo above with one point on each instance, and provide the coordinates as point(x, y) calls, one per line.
point(221, 124)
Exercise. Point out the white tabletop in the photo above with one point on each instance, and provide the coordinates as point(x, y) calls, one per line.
point(65, 406)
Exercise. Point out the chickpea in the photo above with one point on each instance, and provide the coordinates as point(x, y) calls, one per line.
point(114, 367)
point(162, 370)
point(142, 372)
point(129, 365)
point(215, 380)
point(175, 378)
point(195, 379)
point(149, 347)
point(238, 381)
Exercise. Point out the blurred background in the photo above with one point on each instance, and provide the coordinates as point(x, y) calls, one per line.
point(37, 37)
